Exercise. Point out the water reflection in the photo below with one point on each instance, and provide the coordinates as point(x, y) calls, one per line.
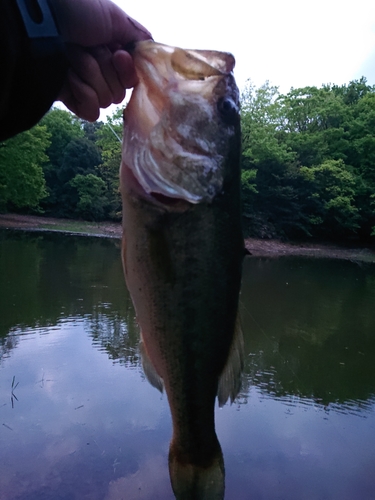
point(86, 424)
point(310, 328)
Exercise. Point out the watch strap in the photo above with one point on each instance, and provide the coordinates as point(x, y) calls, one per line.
point(37, 18)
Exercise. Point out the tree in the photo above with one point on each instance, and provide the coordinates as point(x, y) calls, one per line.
point(79, 148)
point(63, 127)
point(332, 198)
point(109, 138)
point(360, 99)
point(315, 124)
point(354, 91)
point(22, 184)
point(261, 126)
point(90, 130)
point(313, 153)
point(269, 197)
point(91, 196)
point(81, 157)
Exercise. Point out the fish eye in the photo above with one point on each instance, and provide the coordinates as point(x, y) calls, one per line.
point(228, 110)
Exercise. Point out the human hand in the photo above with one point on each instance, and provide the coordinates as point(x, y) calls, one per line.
point(96, 32)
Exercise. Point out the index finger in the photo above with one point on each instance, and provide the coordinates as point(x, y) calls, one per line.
point(90, 23)
point(128, 30)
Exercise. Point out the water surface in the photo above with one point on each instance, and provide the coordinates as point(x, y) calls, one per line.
point(78, 420)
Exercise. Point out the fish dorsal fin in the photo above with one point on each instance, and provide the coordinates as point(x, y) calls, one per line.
point(149, 369)
point(230, 379)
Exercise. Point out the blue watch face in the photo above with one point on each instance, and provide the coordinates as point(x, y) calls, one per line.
point(37, 18)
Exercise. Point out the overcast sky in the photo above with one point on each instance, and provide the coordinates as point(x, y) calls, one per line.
point(290, 43)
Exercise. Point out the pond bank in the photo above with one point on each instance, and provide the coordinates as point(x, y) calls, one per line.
point(256, 247)
point(38, 223)
point(276, 248)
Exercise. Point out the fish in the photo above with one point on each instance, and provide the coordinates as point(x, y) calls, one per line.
point(182, 246)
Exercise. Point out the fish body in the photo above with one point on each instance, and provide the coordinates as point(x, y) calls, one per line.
point(183, 245)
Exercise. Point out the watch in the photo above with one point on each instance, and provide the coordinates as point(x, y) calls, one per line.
point(37, 18)
point(40, 27)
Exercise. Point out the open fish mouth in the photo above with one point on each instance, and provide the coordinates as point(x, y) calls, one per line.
point(178, 121)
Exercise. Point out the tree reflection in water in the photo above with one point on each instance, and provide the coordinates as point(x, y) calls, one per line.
point(309, 332)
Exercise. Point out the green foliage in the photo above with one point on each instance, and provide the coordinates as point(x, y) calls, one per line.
point(91, 196)
point(331, 198)
point(315, 121)
point(90, 129)
point(314, 154)
point(109, 138)
point(248, 178)
point(248, 193)
point(81, 149)
point(81, 157)
point(261, 121)
point(63, 126)
point(22, 184)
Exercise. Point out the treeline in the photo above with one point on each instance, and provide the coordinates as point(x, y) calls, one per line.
point(308, 164)
point(63, 167)
point(309, 161)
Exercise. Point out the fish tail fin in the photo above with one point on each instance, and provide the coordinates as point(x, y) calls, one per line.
point(231, 377)
point(149, 369)
point(197, 482)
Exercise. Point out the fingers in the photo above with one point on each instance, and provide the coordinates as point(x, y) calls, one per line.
point(96, 79)
point(123, 63)
point(95, 31)
point(80, 98)
point(109, 86)
point(88, 69)
point(127, 30)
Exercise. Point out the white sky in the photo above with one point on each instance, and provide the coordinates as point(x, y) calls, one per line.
point(288, 42)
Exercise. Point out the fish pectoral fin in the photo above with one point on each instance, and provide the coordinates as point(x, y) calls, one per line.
point(149, 369)
point(231, 377)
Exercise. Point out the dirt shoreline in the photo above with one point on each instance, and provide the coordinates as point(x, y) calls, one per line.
point(255, 247)
point(39, 223)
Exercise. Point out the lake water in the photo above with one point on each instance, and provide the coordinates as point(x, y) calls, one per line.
point(79, 421)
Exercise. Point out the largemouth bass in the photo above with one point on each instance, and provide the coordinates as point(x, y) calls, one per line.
point(183, 245)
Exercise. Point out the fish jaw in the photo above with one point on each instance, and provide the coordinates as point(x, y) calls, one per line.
point(183, 112)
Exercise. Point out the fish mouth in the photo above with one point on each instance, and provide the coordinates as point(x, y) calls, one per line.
point(171, 129)
point(155, 61)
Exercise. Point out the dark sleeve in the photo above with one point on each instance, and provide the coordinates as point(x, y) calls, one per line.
point(32, 72)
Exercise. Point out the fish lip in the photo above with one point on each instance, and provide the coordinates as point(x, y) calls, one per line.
point(203, 64)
